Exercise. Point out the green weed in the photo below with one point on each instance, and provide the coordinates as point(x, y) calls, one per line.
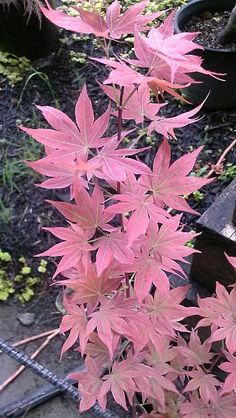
point(22, 284)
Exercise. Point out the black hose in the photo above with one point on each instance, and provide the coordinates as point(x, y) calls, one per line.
point(59, 383)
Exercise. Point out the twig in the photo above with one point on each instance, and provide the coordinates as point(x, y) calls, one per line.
point(33, 338)
point(22, 368)
point(221, 159)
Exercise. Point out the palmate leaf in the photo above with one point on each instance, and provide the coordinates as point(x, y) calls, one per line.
point(75, 247)
point(137, 101)
point(220, 312)
point(206, 383)
point(115, 164)
point(113, 26)
point(74, 321)
point(111, 319)
point(169, 182)
point(133, 198)
point(66, 136)
point(167, 55)
point(90, 385)
point(88, 212)
point(229, 367)
point(89, 288)
point(112, 246)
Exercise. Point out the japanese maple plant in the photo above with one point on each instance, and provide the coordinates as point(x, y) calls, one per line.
point(122, 240)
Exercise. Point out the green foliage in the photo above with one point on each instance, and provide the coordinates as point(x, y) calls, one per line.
point(5, 213)
point(78, 57)
point(229, 172)
point(154, 5)
point(165, 4)
point(198, 196)
point(22, 284)
point(13, 68)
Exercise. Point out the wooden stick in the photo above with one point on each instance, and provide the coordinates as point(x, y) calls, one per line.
point(222, 158)
point(22, 368)
point(33, 338)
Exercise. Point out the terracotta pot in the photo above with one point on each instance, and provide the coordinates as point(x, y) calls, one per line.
point(222, 93)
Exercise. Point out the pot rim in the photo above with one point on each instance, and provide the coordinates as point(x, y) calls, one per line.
point(178, 30)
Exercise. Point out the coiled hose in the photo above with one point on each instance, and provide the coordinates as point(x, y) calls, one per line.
point(62, 385)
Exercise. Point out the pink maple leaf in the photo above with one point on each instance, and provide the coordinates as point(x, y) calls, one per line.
point(120, 382)
point(76, 321)
point(74, 247)
point(196, 352)
point(66, 174)
point(67, 136)
point(134, 198)
point(96, 349)
point(166, 126)
point(122, 74)
point(167, 55)
point(90, 385)
point(165, 311)
point(88, 212)
point(89, 288)
point(157, 254)
point(229, 367)
point(195, 408)
point(220, 311)
point(115, 164)
point(113, 245)
point(110, 320)
point(224, 407)
point(137, 103)
point(206, 383)
point(169, 182)
point(113, 26)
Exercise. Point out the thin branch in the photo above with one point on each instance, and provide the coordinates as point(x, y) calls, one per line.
point(33, 338)
point(221, 159)
point(35, 354)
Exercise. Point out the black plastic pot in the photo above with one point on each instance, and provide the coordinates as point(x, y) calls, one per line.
point(222, 93)
point(23, 35)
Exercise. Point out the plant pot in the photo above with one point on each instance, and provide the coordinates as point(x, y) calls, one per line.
point(222, 93)
point(25, 35)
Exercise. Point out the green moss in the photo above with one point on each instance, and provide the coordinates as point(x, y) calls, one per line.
point(16, 277)
point(13, 68)
point(229, 172)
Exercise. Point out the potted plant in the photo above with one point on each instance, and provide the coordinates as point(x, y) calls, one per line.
point(215, 20)
point(24, 31)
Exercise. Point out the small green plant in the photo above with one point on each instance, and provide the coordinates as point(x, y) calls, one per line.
point(78, 57)
point(5, 213)
point(229, 172)
point(22, 284)
point(13, 68)
point(198, 196)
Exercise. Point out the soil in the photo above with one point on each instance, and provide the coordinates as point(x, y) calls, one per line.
point(23, 207)
point(209, 25)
